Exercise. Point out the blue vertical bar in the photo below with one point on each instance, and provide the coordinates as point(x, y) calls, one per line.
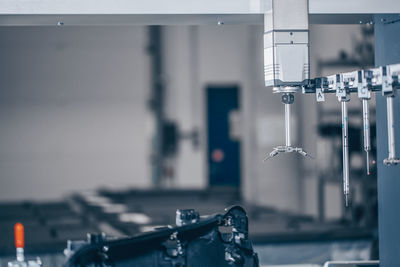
point(387, 51)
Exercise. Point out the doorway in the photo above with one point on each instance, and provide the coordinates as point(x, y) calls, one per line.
point(223, 152)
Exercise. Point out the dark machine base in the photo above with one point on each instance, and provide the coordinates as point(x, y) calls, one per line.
point(216, 240)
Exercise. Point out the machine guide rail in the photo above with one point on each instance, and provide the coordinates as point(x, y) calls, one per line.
point(383, 79)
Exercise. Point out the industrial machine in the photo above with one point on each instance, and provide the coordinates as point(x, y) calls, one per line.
point(20, 260)
point(383, 79)
point(286, 68)
point(286, 58)
point(216, 240)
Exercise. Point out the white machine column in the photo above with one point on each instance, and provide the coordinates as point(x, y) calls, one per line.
point(286, 49)
point(286, 57)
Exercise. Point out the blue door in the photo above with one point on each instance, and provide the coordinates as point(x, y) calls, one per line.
point(223, 152)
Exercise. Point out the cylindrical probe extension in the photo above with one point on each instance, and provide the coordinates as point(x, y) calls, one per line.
point(287, 100)
point(345, 147)
point(390, 124)
point(391, 160)
point(287, 125)
point(366, 131)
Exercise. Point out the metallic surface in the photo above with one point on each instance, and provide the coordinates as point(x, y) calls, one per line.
point(389, 91)
point(43, 7)
point(341, 84)
point(387, 51)
point(364, 93)
point(130, 19)
point(21, 262)
point(354, 6)
point(287, 124)
point(20, 254)
point(391, 159)
point(286, 49)
point(166, 19)
point(287, 100)
point(130, 7)
point(285, 89)
point(366, 131)
point(155, 12)
point(284, 15)
point(345, 147)
point(390, 125)
point(214, 240)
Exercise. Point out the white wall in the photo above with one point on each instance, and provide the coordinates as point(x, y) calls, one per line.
point(184, 103)
point(72, 110)
point(200, 56)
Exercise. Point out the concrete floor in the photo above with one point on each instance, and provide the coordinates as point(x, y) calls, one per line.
point(279, 238)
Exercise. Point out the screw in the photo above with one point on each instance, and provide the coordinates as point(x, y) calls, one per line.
point(60, 23)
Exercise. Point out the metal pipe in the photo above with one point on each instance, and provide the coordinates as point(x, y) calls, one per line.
point(390, 124)
point(287, 124)
point(345, 147)
point(20, 255)
point(366, 131)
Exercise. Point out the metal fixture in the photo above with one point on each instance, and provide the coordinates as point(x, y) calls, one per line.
point(385, 79)
point(287, 100)
point(344, 98)
point(364, 93)
point(19, 234)
point(337, 84)
point(286, 58)
point(389, 81)
point(186, 216)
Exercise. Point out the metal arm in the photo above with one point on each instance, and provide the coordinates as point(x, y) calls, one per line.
point(389, 90)
point(366, 132)
point(287, 124)
point(341, 84)
point(364, 93)
point(287, 100)
point(345, 147)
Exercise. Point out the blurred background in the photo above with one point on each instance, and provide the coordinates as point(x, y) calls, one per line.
point(111, 129)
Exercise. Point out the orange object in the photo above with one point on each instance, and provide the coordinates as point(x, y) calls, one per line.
point(19, 235)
